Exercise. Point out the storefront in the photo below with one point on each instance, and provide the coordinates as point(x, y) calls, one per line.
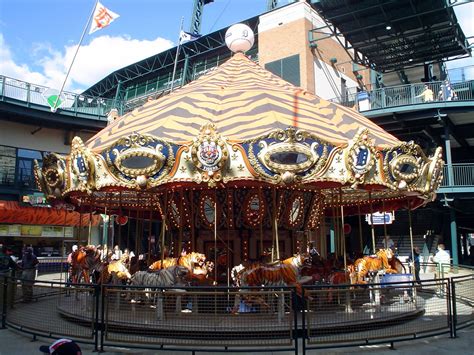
point(50, 231)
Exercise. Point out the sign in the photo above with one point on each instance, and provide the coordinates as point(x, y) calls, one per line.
point(3, 230)
point(378, 218)
point(33, 231)
point(18, 230)
point(52, 232)
point(36, 199)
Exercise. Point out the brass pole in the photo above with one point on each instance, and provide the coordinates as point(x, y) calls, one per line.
point(260, 198)
point(150, 226)
point(137, 229)
point(343, 238)
point(181, 223)
point(411, 238)
point(119, 243)
point(215, 235)
point(276, 225)
point(90, 227)
point(384, 224)
point(372, 222)
point(128, 228)
point(163, 228)
point(360, 229)
point(334, 227)
point(191, 197)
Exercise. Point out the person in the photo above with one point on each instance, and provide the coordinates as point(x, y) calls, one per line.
point(427, 94)
point(442, 259)
point(7, 269)
point(69, 263)
point(117, 255)
point(28, 265)
point(388, 243)
point(61, 347)
point(416, 263)
point(312, 251)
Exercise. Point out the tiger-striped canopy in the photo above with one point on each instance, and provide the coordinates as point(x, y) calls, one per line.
point(244, 101)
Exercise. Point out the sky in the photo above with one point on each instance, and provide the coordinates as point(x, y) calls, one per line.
point(38, 38)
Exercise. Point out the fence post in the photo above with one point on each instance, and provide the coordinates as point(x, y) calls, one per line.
point(96, 316)
point(454, 310)
point(303, 321)
point(449, 304)
point(4, 300)
point(102, 320)
point(295, 318)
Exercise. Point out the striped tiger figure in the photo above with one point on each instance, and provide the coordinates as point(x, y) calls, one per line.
point(285, 273)
point(368, 264)
point(190, 261)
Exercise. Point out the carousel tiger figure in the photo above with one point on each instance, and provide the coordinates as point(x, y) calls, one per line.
point(303, 260)
point(285, 273)
point(115, 272)
point(192, 261)
point(84, 262)
point(370, 264)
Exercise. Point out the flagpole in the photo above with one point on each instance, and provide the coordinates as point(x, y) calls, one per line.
point(177, 54)
point(54, 108)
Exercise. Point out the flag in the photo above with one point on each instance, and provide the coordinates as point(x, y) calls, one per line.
point(102, 18)
point(186, 37)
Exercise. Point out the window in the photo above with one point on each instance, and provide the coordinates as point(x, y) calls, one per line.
point(287, 68)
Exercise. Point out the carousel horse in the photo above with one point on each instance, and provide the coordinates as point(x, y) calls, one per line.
point(370, 264)
point(84, 262)
point(190, 261)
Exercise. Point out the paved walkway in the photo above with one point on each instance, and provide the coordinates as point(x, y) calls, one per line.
point(13, 342)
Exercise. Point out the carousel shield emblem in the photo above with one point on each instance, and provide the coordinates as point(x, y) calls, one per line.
point(209, 154)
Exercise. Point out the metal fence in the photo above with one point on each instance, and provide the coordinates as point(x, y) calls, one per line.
point(246, 319)
point(463, 175)
point(31, 94)
point(410, 94)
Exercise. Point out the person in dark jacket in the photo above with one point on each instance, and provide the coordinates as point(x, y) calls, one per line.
point(28, 264)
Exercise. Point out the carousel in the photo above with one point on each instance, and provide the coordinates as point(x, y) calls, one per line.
point(240, 166)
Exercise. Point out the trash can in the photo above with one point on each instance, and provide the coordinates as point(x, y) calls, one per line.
point(363, 101)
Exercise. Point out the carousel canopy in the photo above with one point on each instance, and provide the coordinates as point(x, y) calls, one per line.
point(244, 101)
point(239, 127)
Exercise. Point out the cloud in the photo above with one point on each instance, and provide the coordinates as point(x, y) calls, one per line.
point(94, 61)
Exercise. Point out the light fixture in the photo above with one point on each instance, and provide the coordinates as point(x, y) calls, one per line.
point(388, 27)
point(410, 60)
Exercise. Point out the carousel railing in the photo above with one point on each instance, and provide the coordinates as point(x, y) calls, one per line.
point(393, 309)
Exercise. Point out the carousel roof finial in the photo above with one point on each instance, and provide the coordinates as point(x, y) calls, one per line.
point(239, 38)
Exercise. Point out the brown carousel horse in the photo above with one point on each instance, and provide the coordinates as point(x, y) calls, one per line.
point(85, 261)
point(191, 261)
point(368, 264)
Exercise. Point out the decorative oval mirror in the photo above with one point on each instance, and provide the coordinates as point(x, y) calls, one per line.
point(175, 214)
point(295, 211)
point(138, 162)
point(254, 209)
point(209, 210)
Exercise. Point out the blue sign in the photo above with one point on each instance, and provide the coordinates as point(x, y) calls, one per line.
point(379, 218)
